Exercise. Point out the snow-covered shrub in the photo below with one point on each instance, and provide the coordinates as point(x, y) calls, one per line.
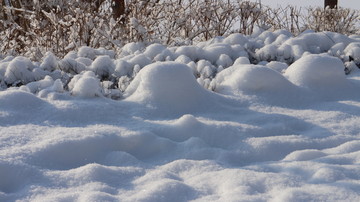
point(71, 66)
point(140, 60)
point(85, 85)
point(251, 79)
point(49, 62)
point(353, 51)
point(278, 66)
point(204, 69)
point(85, 61)
point(19, 71)
point(317, 71)
point(224, 61)
point(153, 50)
point(103, 67)
point(122, 68)
point(267, 53)
point(87, 52)
point(37, 86)
point(167, 85)
point(192, 52)
point(183, 59)
point(236, 39)
point(213, 52)
point(242, 60)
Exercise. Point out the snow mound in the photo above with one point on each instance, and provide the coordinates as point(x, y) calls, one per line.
point(153, 50)
point(242, 60)
point(85, 85)
point(278, 66)
point(37, 86)
point(304, 155)
point(71, 66)
point(103, 66)
point(353, 50)
point(50, 62)
point(20, 101)
point(167, 85)
point(251, 79)
point(19, 70)
point(192, 52)
point(213, 52)
point(317, 71)
point(236, 38)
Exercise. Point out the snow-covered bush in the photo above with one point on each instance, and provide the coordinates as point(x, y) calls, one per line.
point(317, 71)
point(70, 65)
point(33, 29)
point(103, 67)
point(251, 78)
point(169, 86)
point(19, 71)
point(85, 85)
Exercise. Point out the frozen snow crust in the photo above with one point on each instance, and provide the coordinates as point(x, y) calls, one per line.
point(268, 117)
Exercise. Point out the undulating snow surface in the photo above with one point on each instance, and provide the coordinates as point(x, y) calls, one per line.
point(190, 123)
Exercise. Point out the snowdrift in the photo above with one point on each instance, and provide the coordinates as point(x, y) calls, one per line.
point(268, 117)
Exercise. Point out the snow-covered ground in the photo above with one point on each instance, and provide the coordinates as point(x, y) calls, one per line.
point(190, 123)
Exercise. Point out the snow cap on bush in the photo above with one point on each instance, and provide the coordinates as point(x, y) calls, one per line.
point(70, 65)
point(50, 62)
point(141, 59)
point(224, 61)
point(214, 51)
point(103, 66)
point(122, 68)
point(236, 38)
point(251, 79)
point(19, 70)
point(316, 71)
point(167, 85)
point(153, 50)
point(242, 61)
point(85, 85)
point(87, 52)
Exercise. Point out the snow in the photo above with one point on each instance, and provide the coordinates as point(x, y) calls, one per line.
point(85, 85)
point(168, 86)
point(268, 117)
point(251, 78)
point(19, 69)
point(103, 66)
point(321, 73)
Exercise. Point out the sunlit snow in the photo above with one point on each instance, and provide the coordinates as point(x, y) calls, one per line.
point(268, 117)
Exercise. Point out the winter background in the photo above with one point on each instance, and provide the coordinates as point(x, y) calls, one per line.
point(194, 123)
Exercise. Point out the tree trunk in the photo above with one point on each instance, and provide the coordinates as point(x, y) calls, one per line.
point(331, 4)
point(118, 8)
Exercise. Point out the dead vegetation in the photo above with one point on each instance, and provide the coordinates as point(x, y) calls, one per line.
point(62, 26)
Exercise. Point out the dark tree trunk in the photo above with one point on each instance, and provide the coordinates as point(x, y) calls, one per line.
point(331, 4)
point(118, 8)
